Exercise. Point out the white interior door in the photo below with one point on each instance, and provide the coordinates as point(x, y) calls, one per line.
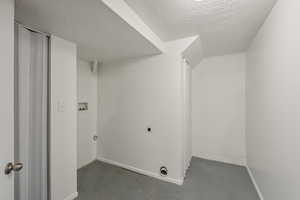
point(7, 97)
point(31, 71)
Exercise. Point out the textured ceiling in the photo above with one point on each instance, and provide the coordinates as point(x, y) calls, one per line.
point(98, 32)
point(224, 26)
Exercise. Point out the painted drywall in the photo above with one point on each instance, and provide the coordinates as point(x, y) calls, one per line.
point(103, 21)
point(225, 26)
point(218, 109)
point(7, 96)
point(125, 12)
point(194, 53)
point(63, 120)
point(136, 94)
point(273, 104)
point(87, 83)
point(187, 115)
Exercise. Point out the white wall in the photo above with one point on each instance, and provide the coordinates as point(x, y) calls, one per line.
point(218, 109)
point(187, 116)
point(7, 96)
point(273, 104)
point(121, 8)
point(63, 121)
point(87, 83)
point(140, 93)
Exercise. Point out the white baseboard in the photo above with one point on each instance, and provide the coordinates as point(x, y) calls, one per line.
point(72, 196)
point(82, 166)
point(140, 171)
point(255, 183)
point(241, 162)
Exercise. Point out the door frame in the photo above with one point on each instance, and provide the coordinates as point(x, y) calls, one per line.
point(7, 97)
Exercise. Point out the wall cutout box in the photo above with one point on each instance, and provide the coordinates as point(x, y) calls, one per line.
point(83, 106)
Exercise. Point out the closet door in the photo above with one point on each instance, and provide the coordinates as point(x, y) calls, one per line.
point(31, 114)
point(6, 98)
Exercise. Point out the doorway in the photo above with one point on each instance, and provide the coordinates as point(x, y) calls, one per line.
point(31, 114)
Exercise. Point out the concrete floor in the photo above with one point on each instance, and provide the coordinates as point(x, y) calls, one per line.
point(206, 180)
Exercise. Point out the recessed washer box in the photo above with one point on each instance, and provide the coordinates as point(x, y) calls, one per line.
point(83, 106)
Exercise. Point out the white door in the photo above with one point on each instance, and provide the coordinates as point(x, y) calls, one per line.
point(6, 97)
point(31, 55)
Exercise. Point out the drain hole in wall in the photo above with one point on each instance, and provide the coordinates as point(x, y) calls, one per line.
point(163, 171)
point(95, 137)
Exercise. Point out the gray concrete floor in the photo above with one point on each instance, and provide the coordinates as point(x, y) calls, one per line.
point(206, 180)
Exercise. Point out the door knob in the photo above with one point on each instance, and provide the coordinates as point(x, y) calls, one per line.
point(13, 167)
